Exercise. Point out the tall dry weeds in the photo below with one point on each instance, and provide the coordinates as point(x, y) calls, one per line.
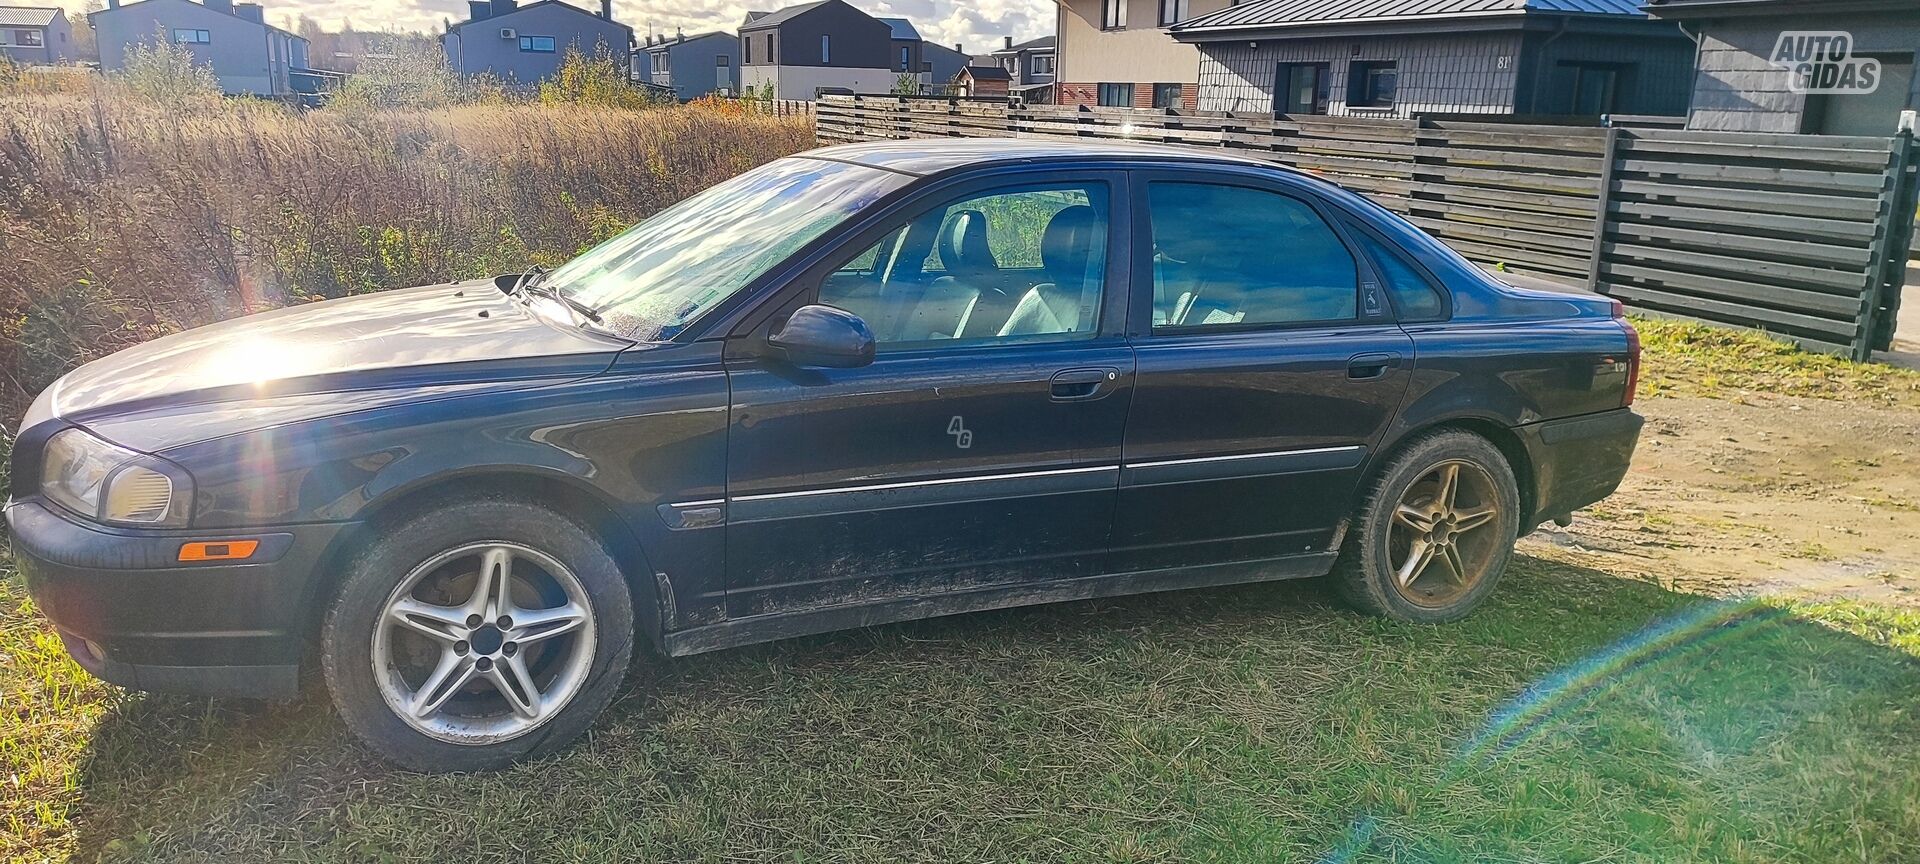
point(122, 218)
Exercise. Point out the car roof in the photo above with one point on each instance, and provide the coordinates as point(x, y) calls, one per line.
point(928, 156)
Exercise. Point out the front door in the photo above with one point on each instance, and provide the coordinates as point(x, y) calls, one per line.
point(1268, 369)
point(980, 449)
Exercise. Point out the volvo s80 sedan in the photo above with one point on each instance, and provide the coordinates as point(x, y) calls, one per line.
point(864, 384)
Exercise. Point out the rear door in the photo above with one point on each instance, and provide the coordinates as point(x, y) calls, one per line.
point(1269, 366)
point(981, 447)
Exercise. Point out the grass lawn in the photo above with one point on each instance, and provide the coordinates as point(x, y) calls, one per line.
point(1582, 716)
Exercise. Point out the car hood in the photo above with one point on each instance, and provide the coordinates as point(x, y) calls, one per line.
point(329, 355)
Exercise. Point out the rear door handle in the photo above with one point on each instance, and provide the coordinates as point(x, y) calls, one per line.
point(1366, 367)
point(1081, 385)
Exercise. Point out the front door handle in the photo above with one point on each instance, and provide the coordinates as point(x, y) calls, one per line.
point(1366, 367)
point(1082, 385)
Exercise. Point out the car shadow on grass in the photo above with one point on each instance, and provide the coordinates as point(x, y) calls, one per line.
point(1579, 716)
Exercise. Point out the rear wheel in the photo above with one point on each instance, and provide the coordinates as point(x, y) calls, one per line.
point(476, 635)
point(1435, 532)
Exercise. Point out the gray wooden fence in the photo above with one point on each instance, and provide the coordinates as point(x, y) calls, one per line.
point(1803, 236)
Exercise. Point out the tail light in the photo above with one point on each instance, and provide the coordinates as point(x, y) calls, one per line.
point(1633, 357)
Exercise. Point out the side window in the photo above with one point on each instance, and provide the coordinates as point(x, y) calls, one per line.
point(1230, 255)
point(1414, 297)
point(1026, 263)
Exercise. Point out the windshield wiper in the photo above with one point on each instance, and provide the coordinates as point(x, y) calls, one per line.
point(527, 279)
point(585, 311)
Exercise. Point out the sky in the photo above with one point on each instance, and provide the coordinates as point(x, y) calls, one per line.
point(978, 24)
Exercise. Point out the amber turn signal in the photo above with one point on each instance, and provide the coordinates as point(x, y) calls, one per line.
point(218, 550)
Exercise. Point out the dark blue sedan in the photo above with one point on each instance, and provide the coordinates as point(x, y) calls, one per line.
point(864, 384)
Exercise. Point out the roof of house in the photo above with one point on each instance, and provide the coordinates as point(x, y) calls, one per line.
point(986, 73)
point(902, 28)
point(685, 40)
point(1044, 43)
point(781, 16)
point(135, 4)
point(1696, 8)
point(935, 48)
point(27, 16)
point(568, 6)
point(1261, 14)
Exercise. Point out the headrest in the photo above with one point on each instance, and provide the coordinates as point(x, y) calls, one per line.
point(963, 245)
point(1071, 237)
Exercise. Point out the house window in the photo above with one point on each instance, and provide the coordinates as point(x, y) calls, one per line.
point(660, 63)
point(746, 45)
point(722, 61)
point(770, 50)
point(1371, 83)
point(1113, 14)
point(1116, 95)
point(906, 57)
point(1043, 65)
point(1300, 88)
point(1166, 96)
point(192, 37)
point(826, 48)
point(28, 38)
point(537, 44)
point(1172, 12)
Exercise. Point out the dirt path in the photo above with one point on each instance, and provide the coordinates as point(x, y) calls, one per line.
point(1766, 494)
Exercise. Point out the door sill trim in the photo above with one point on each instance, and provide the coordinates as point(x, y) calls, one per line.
point(787, 625)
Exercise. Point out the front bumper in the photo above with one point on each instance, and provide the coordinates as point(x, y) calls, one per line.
point(1579, 460)
point(131, 613)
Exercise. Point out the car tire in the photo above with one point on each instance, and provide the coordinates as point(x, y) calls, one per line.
point(425, 704)
point(1406, 519)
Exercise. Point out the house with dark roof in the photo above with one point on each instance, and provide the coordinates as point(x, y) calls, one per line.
point(826, 46)
point(907, 49)
point(982, 82)
point(941, 65)
point(691, 66)
point(1030, 64)
point(248, 55)
point(1400, 58)
point(1741, 84)
point(525, 45)
point(35, 36)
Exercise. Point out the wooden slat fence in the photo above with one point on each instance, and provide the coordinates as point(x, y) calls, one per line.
point(1803, 236)
point(776, 107)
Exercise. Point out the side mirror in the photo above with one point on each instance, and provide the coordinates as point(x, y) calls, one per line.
point(824, 336)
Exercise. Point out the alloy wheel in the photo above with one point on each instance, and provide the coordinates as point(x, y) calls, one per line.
point(1441, 543)
point(483, 643)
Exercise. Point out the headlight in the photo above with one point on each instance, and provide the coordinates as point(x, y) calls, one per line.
point(113, 484)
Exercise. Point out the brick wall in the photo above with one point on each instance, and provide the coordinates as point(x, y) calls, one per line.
point(1089, 94)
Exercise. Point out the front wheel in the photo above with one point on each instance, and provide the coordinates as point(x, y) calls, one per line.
point(476, 635)
point(1435, 532)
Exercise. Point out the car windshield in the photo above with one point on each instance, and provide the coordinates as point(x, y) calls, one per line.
point(652, 280)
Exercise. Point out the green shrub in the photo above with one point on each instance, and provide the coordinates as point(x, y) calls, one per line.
point(168, 74)
point(592, 80)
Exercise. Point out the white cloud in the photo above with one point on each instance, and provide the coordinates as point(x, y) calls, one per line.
point(977, 24)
